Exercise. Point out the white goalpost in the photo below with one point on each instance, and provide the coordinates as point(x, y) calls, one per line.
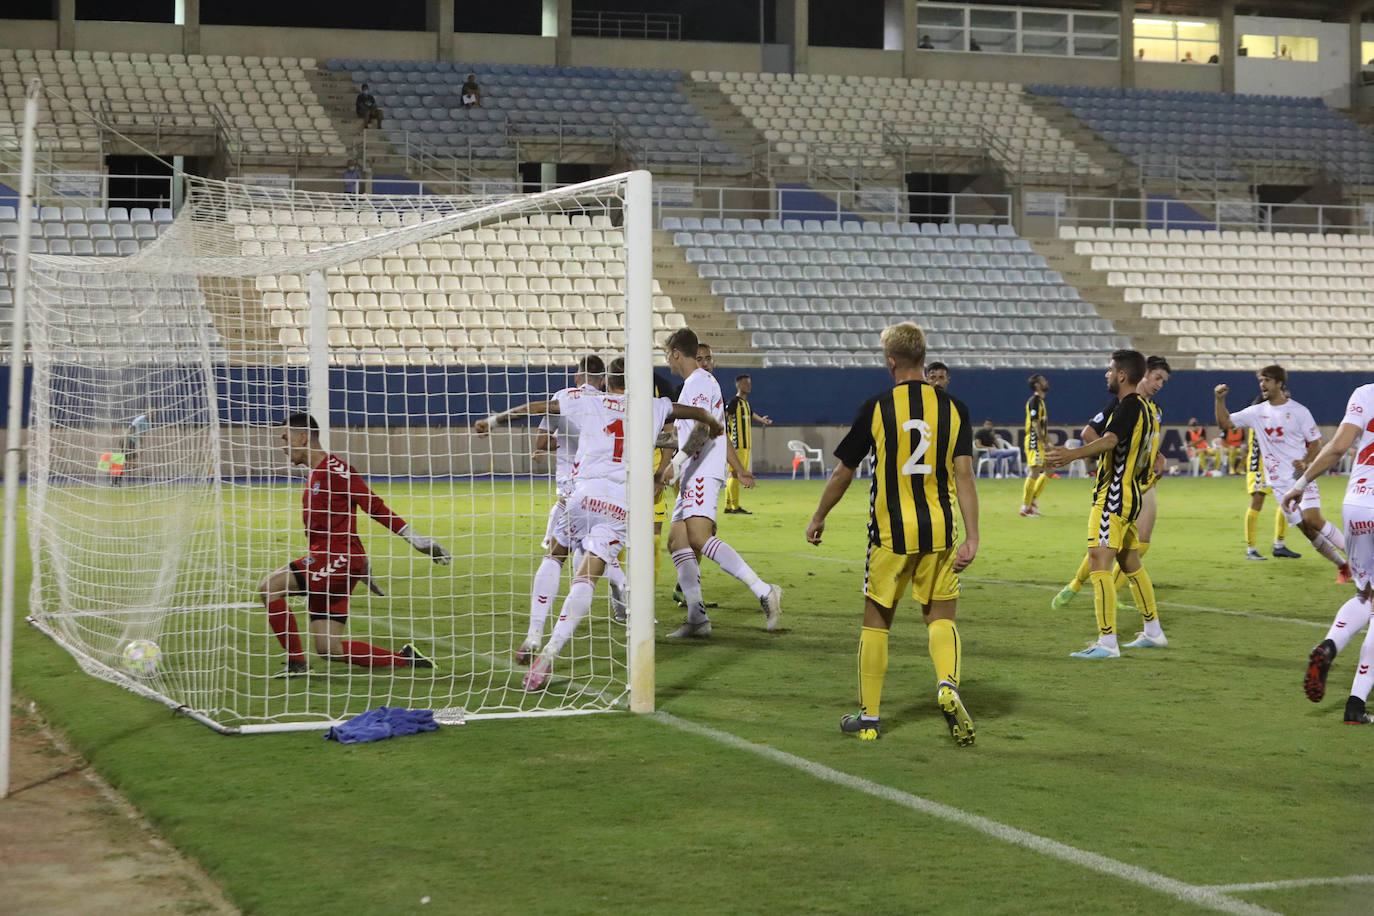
point(159, 493)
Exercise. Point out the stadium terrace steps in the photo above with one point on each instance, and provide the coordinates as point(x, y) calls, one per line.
point(1116, 168)
point(1111, 304)
point(692, 296)
point(727, 121)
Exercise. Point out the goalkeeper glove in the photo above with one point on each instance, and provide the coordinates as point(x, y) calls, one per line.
point(425, 545)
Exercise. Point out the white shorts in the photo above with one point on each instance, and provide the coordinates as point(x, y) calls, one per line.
point(697, 498)
point(556, 532)
point(1311, 498)
point(1359, 542)
point(597, 522)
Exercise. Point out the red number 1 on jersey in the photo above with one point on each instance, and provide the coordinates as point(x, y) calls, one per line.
point(617, 430)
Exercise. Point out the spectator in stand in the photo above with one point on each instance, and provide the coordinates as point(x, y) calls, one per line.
point(1139, 53)
point(471, 92)
point(366, 107)
point(352, 175)
point(1284, 53)
point(1187, 58)
point(973, 44)
point(988, 443)
point(926, 44)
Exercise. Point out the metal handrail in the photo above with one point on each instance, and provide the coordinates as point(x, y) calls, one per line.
point(1226, 214)
point(877, 204)
point(626, 24)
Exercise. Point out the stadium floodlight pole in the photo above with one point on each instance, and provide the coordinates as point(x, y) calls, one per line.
point(319, 354)
point(14, 433)
point(639, 389)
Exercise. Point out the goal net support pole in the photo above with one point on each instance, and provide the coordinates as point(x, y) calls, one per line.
point(639, 368)
point(14, 433)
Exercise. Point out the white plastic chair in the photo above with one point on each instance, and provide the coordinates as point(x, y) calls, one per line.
point(1077, 468)
point(804, 456)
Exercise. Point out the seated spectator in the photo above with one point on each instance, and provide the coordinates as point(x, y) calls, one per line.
point(1284, 53)
point(925, 43)
point(1199, 448)
point(471, 92)
point(1233, 443)
point(1187, 58)
point(1214, 59)
point(973, 44)
point(351, 176)
point(366, 107)
point(987, 443)
point(1139, 53)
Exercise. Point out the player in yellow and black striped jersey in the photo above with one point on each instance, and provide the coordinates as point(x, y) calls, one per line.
point(739, 414)
point(923, 464)
point(1128, 447)
point(1037, 432)
point(1256, 487)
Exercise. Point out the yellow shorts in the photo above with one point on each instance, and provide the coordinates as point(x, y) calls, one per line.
point(1255, 483)
point(1035, 457)
point(1112, 531)
point(931, 575)
point(661, 509)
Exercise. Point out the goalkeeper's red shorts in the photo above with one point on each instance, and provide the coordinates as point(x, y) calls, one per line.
point(327, 581)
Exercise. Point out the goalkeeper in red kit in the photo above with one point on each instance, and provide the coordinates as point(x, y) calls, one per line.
point(336, 561)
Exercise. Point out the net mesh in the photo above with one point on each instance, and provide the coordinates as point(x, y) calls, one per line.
point(159, 493)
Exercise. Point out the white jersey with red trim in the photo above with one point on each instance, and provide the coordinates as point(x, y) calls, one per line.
point(1359, 411)
point(1283, 432)
point(565, 442)
point(700, 389)
point(600, 423)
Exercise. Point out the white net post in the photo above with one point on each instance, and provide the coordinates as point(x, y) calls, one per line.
point(404, 319)
point(639, 367)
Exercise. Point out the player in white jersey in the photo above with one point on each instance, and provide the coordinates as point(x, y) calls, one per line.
point(693, 532)
point(1288, 440)
point(557, 437)
point(1357, 429)
point(597, 508)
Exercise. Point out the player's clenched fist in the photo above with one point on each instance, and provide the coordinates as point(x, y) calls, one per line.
point(1221, 390)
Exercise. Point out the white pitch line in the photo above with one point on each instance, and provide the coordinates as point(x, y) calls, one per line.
point(1209, 897)
point(1187, 607)
point(1295, 882)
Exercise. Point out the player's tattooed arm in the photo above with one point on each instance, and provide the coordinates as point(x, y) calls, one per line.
point(484, 426)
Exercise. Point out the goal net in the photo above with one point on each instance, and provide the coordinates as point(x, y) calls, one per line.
point(160, 495)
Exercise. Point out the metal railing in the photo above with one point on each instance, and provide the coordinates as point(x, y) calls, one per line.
point(884, 204)
point(55, 189)
point(617, 24)
point(1219, 214)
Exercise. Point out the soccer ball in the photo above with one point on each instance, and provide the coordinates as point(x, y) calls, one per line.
point(140, 657)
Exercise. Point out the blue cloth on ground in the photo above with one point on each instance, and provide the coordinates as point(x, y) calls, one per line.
point(381, 723)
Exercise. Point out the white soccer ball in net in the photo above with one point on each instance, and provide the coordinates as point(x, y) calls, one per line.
point(140, 657)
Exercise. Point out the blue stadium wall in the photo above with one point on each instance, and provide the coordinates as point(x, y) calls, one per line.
point(443, 396)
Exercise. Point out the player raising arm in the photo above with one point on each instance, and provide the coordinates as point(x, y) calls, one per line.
point(1288, 440)
point(1357, 428)
point(923, 463)
point(335, 561)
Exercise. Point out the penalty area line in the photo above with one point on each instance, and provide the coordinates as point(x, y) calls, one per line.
point(1209, 897)
point(1293, 882)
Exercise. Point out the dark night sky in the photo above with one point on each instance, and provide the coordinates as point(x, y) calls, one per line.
point(851, 23)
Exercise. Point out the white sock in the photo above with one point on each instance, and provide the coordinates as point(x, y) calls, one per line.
point(615, 574)
point(689, 580)
point(1108, 641)
point(1350, 619)
point(1334, 535)
point(1364, 674)
point(544, 590)
point(729, 560)
point(1327, 549)
point(575, 607)
point(1153, 629)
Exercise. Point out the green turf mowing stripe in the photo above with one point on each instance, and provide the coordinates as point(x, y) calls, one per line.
point(1208, 897)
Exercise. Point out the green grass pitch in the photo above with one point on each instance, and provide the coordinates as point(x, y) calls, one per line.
point(1202, 762)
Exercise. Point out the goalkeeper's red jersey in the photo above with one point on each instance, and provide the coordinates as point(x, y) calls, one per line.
point(332, 491)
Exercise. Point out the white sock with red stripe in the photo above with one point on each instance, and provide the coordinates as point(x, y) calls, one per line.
point(729, 560)
point(1327, 549)
point(689, 580)
point(615, 574)
point(542, 593)
point(1350, 619)
point(1334, 535)
point(1364, 674)
point(575, 607)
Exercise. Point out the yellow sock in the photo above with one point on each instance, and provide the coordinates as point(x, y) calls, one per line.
point(872, 669)
point(1080, 577)
point(1119, 579)
point(1039, 485)
point(1252, 525)
point(945, 650)
point(1026, 490)
point(1280, 524)
point(1104, 601)
point(1144, 591)
point(732, 493)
